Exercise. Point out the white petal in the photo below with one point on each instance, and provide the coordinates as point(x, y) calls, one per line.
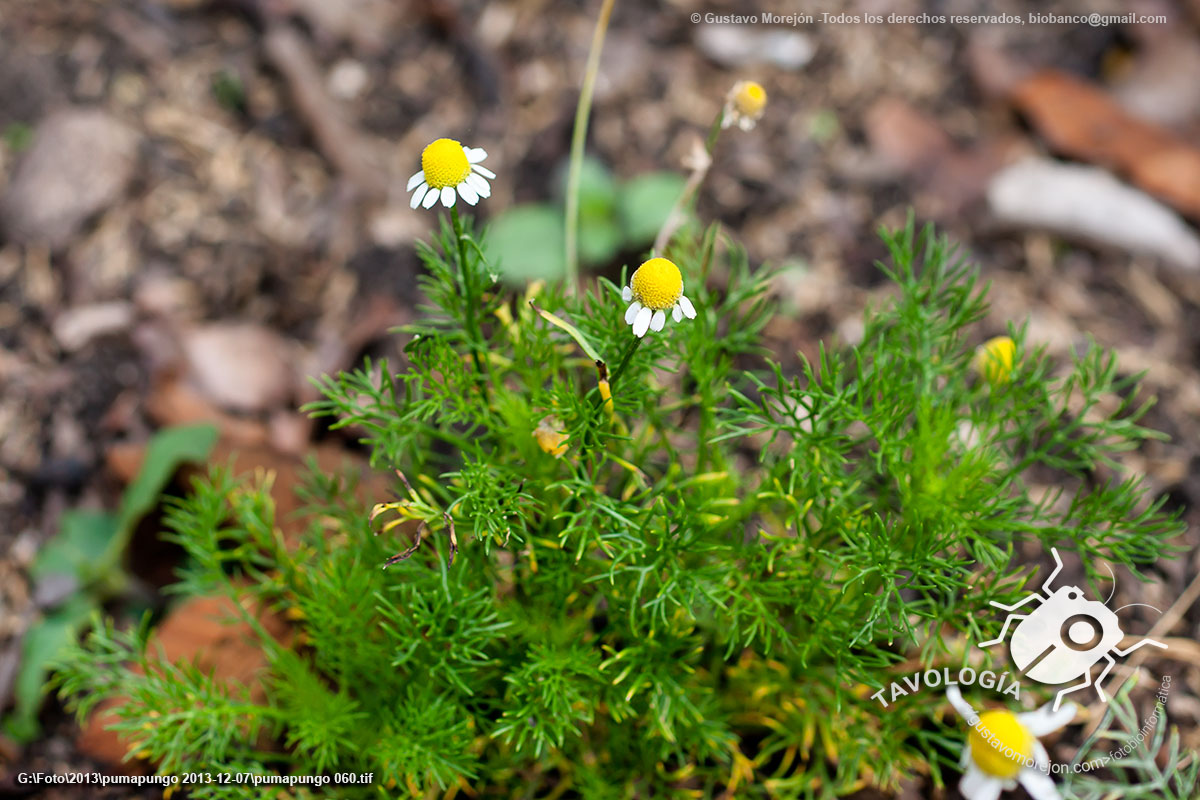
point(415, 179)
point(1041, 759)
point(475, 154)
point(689, 310)
point(467, 193)
point(676, 312)
point(431, 197)
point(419, 195)
point(632, 312)
point(658, 320)
point(484, 171)
point(448, 196)
point(479, 184)
point(978, 785)
point(641, 322)
point(627, 294)
point(1039, 785)
point(1044, 720)
point(964, 709)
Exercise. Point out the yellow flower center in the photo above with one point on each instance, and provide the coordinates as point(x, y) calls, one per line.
point(1000, 744)
point(445, 163)
point(750, 99)
point(657, 284)
point(995, 359)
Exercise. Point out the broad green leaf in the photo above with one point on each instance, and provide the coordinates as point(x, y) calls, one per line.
point(167, 450)
point(89, 546)
point(599, 240)
point(645, 203)
point(18, 136)
point(78, 547)
point(597, 191)
point(45, 642)
point(527, 242)
point(90, 543)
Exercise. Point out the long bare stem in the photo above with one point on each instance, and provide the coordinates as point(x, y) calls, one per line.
point(578, 137)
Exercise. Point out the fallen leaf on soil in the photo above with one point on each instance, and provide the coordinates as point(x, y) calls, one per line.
point(1083, 122)
point(172, 402)
point(906, 141)
point(240, 365)
point(124, 461)
point(197, 631)
point(1089, 203)
point(81, 161)
point(905, 138)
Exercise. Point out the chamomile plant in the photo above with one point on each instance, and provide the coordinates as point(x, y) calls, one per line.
point(616, 564)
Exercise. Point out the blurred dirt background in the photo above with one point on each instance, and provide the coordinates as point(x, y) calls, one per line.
point(202, 204)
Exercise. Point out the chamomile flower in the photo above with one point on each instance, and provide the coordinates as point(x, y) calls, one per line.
point(744, 105)
point(1002, 749)
point(994, 359)
point(655, 288)
point(448, 168)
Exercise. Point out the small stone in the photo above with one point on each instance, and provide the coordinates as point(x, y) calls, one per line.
point(744, 45)
point(240, 366)
point(75, 327)
point(81, 162)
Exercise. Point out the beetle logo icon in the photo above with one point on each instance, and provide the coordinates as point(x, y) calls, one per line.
point(1065, 636)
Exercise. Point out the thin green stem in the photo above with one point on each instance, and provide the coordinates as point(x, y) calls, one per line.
point(714, 132)
point(613, 376)
point(578, 137)
point(474, 334)
point(629, 351)
point(706, 423)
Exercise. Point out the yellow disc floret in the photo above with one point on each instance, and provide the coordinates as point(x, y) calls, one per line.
point(1000, 744)
point(657, 284)
point(995, 359)
point(750, 99)
point(445, 163)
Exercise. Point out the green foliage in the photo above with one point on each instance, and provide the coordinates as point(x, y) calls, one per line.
point(17, 136)
point(1132, 758)
point(229, 91)
point(644, 203)
point(83, 565)
point(527, 240)
point(528, 243)
point(698, 596)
